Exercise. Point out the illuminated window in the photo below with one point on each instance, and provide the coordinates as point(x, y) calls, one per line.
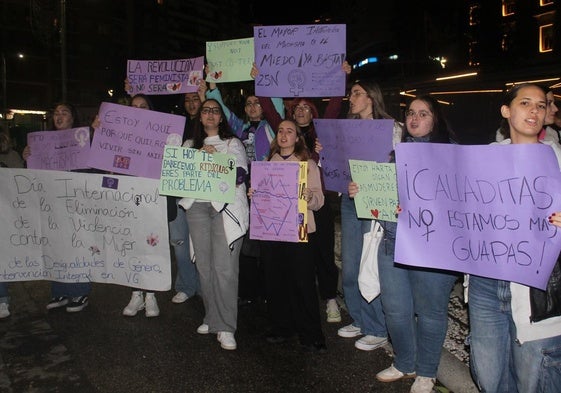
point(546, 38)
point(474, 15)
point(509, 7)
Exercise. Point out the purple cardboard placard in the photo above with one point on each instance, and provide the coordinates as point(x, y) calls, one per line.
point(160, 77)
point(350, 139)
point(131, 140)
point(274, 204)
point(300, 60)
point(60, 150)
point(481, 210)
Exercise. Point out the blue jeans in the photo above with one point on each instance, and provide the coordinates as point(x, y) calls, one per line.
point(187, 278)
point(4, 296)
point(498, 362)
point(367, 316)
point(70, 289)
point(415, 303)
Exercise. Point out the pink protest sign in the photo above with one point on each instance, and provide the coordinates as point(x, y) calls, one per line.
point(131, 140)
point(60, 150)
point(160, 77)
point(274, 204)
point(300, 60)
point(481, 210)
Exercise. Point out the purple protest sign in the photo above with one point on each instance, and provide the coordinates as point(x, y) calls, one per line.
point(481, 210)
point(131, 140)
point(349, 139)
point(300, 60)
point(274, 204)
point(60, 150)
point(160, 77)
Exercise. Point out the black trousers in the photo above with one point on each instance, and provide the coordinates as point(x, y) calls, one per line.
point(293, 302)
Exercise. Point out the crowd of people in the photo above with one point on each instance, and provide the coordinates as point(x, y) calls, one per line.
point(509, 351)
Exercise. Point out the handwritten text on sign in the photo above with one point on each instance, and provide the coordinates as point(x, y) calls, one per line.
point(160, 77)
point(481, 210)
point(349, 139)
point(300, 60)
point(79, 227)
point(197, 174)
point(377, 198)
point(60, 150)
point(276, 209)
point(131, 140)
point(229, 61)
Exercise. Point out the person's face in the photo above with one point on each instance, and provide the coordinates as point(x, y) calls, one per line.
point(419, 119)
point(302, 113)
point(287, 135)
point(359, 102)
point(62, 118)
point(526, 114)
point(139, 102)
point(211, 115)
point(253, 108)
point(551, 109)
point(192, 104)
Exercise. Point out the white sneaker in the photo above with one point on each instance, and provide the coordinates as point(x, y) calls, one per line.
point(423, 385)
point(333, 312)
point(349, 331)
point(392, 374)
point(4, 311)
point(227, 340)
point(151, 304)
point(179, 297)
point(370, 343)
point(203, 329)
point(135, 305)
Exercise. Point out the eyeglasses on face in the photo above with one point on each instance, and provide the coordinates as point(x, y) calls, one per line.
point(420, 114)
point(303, 108)
point(207, 110)
point(255, 104)
point(357, 93)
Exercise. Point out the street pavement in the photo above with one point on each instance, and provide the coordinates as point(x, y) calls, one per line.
point(99, 350)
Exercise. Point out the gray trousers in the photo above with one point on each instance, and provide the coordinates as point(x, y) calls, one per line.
point(218, 267)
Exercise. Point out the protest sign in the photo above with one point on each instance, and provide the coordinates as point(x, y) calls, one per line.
point(131, 140)
point(481, 210)
point(193, 173)
point(347, 139)
point(80, 227)
point(229, 61)
point(160, 77)
point(377, 196)
point(62, 150)
point(300, 60)
point(277, 209)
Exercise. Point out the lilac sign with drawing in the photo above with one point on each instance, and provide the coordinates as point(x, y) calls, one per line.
point(59, 150)
point(160, 77)
point(349, 139)
point(481, 210)
point(300, 60)
point(274, 204)
point(131, 140)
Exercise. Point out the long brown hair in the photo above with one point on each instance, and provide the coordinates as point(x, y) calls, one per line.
point(300, 149)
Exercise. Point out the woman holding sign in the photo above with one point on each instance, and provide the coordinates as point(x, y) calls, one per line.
point(216, 229)
point(289, 267)
point(512, 347)
point(72, 295)
point(414, 300)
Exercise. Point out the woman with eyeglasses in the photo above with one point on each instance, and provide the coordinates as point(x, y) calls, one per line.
point(217, 229)
point(303, 111)
point(256, 134)
point(414, 300)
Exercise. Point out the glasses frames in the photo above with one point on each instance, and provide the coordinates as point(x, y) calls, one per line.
point(420, 114)
point(208, 110)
